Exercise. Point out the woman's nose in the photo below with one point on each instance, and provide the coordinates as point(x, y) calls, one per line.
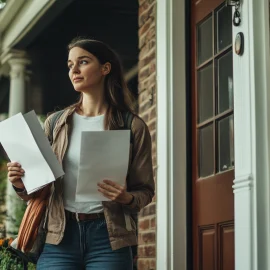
point(75, 69)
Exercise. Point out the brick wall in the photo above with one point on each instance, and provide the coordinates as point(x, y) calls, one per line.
point(147, 110)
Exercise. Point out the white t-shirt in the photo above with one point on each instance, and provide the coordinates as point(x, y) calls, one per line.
point(71, 162)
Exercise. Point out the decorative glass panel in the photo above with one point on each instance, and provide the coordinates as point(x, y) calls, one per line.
point(226, 144)
point(224, 28)
point(204, 41)
point(205, 93)
point(225, 83)
point(206, 151)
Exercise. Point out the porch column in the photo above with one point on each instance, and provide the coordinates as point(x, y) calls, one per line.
point(17, 62)
point(17, 85)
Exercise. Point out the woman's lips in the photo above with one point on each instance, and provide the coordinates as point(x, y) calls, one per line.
point(77, 79)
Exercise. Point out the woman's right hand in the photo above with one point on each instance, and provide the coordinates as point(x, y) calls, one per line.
point(15, 172)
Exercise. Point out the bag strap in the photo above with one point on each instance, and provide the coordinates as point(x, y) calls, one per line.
point(55, 117)
point(128, 118)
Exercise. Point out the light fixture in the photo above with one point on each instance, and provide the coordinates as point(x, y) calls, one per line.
point(232, 2)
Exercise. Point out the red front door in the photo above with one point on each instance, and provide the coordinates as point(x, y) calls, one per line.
point(212, 136)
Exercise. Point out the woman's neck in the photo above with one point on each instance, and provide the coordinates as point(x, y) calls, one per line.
point(93, 105)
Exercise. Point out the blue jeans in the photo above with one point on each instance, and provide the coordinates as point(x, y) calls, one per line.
point(85, 245)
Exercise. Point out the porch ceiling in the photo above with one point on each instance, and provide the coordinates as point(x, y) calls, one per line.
point(112, 21)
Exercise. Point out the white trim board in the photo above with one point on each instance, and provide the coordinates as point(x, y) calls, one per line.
point(252, 137)
point(28, 16)
point(171, 136)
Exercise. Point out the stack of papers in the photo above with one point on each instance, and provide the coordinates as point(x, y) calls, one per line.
point(25, 142)
point(104, 155)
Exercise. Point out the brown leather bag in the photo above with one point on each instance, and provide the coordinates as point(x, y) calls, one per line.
point(33, 216)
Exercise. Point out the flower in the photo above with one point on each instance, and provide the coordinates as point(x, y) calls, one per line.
point(5, 242)
point(10, 241)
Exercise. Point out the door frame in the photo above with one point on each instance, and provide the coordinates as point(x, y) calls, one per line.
point(171, 252)
point(252, 138)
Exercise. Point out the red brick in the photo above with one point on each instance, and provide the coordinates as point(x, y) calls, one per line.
point(144, 224)
point(147, 251)
point(147, 84)
point(147, 110)
point(152, 264)
point(152, 67)
point(144, 72)
point(152, 126)
point(144, 116)
point(145, 27)
point(148, 210)
point(143, 96)
point(153, 223)
point(143, 8)
point(151, 57)
point(145, 107)
point(153, 138)
point(144, 51)
point(146, 12)
point(146, 264)
point(148, 237)
point(154, 160)
point(143, 264)
point(141, 2)
point(153, 112)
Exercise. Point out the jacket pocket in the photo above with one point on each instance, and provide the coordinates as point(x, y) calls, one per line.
point(130, 223)
point(118, 221)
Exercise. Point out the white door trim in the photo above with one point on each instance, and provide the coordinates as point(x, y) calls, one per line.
point(252, 137)
point(171, 135)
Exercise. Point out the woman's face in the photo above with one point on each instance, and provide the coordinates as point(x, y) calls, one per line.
point(85, 71)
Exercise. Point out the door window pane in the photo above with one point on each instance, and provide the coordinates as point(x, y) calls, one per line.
point(224, 27)
point(206, 151)
point(204, 41)
point(225, 83)
point(226, 143)
point(205, 93)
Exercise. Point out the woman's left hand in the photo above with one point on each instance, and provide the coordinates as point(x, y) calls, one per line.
point(115, 192)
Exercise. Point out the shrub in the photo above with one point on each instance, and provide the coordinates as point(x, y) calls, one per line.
point(9, 260)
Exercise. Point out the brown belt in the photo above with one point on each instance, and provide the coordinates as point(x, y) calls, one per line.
point(83, 216)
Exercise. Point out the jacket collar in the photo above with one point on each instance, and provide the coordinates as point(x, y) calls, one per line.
point(70, 110)
point(67, 112)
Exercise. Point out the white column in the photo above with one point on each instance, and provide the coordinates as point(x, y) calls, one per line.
point(17, 85)
point(252, 139)
point(17, 63)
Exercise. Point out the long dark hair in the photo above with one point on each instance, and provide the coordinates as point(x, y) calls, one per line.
point(117, 95)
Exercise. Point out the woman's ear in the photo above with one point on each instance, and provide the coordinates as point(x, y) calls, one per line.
point(106, 69)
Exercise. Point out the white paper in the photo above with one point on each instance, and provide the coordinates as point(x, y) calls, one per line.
point(104, 155)
point(43, 144)
point(25, 142)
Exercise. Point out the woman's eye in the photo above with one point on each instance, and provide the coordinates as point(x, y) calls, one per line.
point(83, 62)
point(70, 66)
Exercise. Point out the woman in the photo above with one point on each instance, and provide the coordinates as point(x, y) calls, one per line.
point(95, 235)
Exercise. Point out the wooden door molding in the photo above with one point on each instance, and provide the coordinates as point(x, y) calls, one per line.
point(204, 8)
